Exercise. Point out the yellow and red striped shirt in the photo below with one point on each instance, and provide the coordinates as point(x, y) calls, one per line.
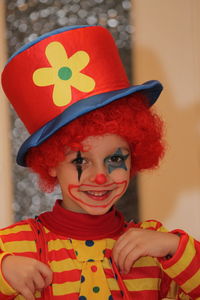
point(83, 269)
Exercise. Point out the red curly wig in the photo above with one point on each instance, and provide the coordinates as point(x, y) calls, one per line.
point(128, 117)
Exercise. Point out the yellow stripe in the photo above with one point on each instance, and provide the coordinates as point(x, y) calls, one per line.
point(154, 224)
point(59, 244)
point(143, 284)
point(20, 246)
point(66, 288)
point(184, 261)
point(112, 283)
point(192, 283)
point(110, 243)
point(65, 265)
point(146, 261)
point(162, 229)
point(15, 229)
point(106, 264)
point(149, 224)
point(5, 288)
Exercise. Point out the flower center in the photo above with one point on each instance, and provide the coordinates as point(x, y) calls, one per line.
point(65, 73)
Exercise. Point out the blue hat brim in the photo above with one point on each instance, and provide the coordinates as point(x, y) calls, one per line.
point(151, 90)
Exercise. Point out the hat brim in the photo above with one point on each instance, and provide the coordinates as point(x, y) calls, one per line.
point(150, 89)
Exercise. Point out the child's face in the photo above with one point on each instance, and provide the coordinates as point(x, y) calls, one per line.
point(92, 181)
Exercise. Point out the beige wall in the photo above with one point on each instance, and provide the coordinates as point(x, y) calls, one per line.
point(167, 47)
point(5, 163)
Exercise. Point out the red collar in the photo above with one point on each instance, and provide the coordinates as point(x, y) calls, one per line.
point(82, 226)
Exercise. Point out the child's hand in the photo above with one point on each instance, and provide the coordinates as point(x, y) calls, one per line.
point(26, 275)
point(136, 243)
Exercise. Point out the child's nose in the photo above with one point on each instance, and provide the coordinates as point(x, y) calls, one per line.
point(100, 178)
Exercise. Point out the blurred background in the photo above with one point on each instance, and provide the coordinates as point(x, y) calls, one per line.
point(156, 40)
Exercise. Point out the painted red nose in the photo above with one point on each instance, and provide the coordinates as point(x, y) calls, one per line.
point(100, 179)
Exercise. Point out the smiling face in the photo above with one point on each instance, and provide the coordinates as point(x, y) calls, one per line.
point(92, 181)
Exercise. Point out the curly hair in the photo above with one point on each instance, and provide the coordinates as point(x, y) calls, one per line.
point(128, 117)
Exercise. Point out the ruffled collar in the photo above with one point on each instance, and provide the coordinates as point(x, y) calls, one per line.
point(82, 226)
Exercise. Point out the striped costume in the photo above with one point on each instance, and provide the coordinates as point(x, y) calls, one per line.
point(84, 270)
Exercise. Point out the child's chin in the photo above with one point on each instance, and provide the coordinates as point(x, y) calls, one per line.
point(97, 211)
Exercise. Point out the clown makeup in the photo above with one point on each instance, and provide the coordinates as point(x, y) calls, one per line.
point(103, 174)
point(116, 160)
point(79, 161)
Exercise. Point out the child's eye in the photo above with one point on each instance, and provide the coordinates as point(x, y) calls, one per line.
point(115, 159)
point(79, 161)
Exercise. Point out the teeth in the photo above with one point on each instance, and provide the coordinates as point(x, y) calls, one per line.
point(97, 193)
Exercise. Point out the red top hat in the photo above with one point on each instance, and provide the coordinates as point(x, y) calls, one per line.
point(64, 74)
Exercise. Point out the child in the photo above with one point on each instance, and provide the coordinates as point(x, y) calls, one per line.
point(90, 132)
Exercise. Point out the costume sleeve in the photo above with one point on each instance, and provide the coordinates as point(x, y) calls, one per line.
point(17, 239)
point(181, 273)
point(183, 268)
point(6, 291)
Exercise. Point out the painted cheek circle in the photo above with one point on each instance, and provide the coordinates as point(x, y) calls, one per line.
point(100, 179)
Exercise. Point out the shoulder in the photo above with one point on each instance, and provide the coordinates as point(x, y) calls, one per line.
point(19, 239)
point(17, 229)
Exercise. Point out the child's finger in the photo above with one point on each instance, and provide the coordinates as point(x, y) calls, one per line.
point(46, 273)
point(39, 282)
point(125, 240)
point(117, 251)
point(27, 294)
point(129, 247)
point(131, 258)
point(30, 285)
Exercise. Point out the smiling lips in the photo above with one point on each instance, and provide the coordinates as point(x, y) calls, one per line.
point(98, 195)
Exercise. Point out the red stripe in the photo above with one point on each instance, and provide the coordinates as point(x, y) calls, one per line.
point(189, 271)
point(18, 237)
point(73, 296)
point(108, 253)
point(172, 261)
point(61, 254)
point(117, 295)
point(141, 295)
point(27, 254)
point(144, 295)
point(109, 273)
point(65, 276)
point(50, 236)
point(137, 273)
point(143, 272)
point(5, 297)
point(165, 285)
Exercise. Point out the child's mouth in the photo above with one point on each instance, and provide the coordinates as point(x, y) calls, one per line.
point(98, 195)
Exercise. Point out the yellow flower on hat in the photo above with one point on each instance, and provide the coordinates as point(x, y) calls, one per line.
point(64, 73)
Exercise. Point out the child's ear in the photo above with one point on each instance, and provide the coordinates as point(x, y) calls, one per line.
point(52, 172)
